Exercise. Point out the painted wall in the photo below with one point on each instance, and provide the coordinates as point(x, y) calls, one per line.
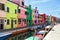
point(33, 16)
point(22, 16)
point(21, 2)
point(39, 18)
point(44, 18)
point(2, 14)
point(3, 1)
point(29, 17)
point(36, 15)
point(3, 18)
point(48, 18)
point(11, 15)
point(53, 19)
point(18, 2)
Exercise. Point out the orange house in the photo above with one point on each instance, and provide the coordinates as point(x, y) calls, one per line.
point(21, 17)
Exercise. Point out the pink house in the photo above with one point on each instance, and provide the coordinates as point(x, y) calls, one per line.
point(21, 17)
point(20, 2)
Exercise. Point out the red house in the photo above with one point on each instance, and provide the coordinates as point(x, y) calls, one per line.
point(44, 18)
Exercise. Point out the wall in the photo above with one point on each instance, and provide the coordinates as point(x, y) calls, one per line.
point(22, 16)
point(29, 17)
point(11, 15)
point(36, 15)
point(3, 1)
point(2, 14)
point(33, 16)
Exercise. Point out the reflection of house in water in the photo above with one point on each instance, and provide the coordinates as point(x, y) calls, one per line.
point(2, 14)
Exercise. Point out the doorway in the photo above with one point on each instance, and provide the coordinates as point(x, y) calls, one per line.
point(1, 24)
point(11, 23)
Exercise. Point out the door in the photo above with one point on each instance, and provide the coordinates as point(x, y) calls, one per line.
point(11, 23)
point(1, 24)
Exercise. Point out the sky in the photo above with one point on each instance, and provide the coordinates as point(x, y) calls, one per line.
point(50, 7)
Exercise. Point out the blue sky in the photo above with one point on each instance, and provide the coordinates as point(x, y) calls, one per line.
point(50, 7)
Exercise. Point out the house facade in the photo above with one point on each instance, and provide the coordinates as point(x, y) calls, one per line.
point(36, 16)
point(2, 14)
point(21, 17)
point(19, 2)
point(33, 17)
point(11, 15)
point(29, 15)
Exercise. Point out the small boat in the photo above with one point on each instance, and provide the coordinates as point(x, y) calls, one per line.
point(32, 38)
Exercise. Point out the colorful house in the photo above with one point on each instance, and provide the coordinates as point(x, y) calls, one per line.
point(36, 16)
point(19, 2)
point(33, 17)
point(44, 18)
point(11, 15)
point(40, 18)
point(21, 17)
point(29, 15)
point(53, 19)
point(48, 18)
point(2, 14)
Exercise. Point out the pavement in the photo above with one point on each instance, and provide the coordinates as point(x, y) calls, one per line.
point(54, 34)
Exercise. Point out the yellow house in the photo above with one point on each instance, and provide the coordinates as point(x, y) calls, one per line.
point(33, 16)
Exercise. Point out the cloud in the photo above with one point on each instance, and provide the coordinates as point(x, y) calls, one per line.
point(44, 0)
point(38, 1)
point(35, 2)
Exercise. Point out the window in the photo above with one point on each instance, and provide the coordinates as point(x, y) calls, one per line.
point(18, 10)
point(7, 9)
point(38, 17)
point(24, 20)
point(8, 21)
point(23, 3)
point(29, 20)
point(26, 13)
point(19, 21)
point(35, 11)
point(15, 21)
point(35, 21)
point(15, 11)
point(2, 6)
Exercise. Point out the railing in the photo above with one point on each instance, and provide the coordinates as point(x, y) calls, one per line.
point(20, 36)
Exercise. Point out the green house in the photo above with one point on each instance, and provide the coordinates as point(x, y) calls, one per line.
point(11, 15)
point(29, 16)
point(48, 18)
